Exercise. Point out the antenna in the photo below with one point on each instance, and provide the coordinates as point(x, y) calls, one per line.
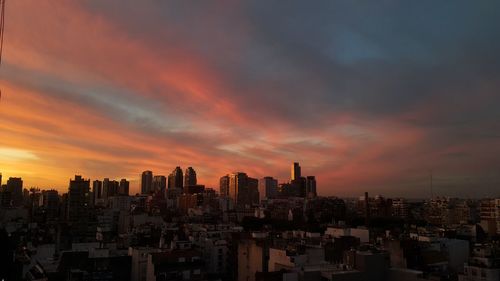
point(432, 190)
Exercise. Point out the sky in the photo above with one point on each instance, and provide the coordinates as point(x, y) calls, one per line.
point(366, 95)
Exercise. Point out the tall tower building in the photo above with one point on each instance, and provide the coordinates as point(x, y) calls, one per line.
point(97, 189)
point(268, 188)
point(109, 188)
point(295, 172)
point(50, 201)
point(124, 186)
point(146, 182)
point(175, 179)
point(236, 182)
point(224, 186)
point(15, 187)
point(159, 183)
point(78, 199)
point(243, 190)
point(190, 177)
point(311, 186)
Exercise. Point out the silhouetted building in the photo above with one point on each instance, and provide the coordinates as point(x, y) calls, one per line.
point(50, 202)
point(295, 173)
point(97, 189)
point(311, 186)
point(224, 186)
point(96, 264)
point(78, 199)
point(490, 215)
point(400, 208)
point(5, 198)
point(159, 183)
point(124, 186)
point(193, 189)
point(109, 188)
point(146, 182)
point(376, 207)
point(190, 177)
point(15, 187)
point(243, 190)
point(175, 179)
point(298, 187)
point(268, 188)
point(285, 190)
point(187, 201)
point(175, 265)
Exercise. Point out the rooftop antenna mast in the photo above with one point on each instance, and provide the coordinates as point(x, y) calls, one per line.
point(432, 189)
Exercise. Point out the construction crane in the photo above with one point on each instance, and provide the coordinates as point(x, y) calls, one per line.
point(2, 25)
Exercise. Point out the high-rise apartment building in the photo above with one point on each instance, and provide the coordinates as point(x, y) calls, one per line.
point(311, 186)
point(78, 199)
point(123, 187)
point(50, 201)
point(268, 188)
point(146, 182)
point(190, 177)
point(175, 179)
point(97, 189)
point(243, 190)
point(224, 186)
point(159, 184)
point(490, 215)
point(295, 171)
point(110, 188)
point(15, 187)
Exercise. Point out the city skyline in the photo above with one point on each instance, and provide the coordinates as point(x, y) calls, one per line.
point(249, 140)
point(365, 97)
point(147, 181)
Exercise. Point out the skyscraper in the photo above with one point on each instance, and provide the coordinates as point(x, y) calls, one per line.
point(97, 189)
point(224, 186)
point(295, 172)
point(109, 188)
point(243, 190)
point(146, 182)
point(175, 179)
point(159, 183)
point(190, 177)
point(268, 188)
point(15, 187)
point(50, 201)
point(78, 199)
point(123, 188)
point(311, 186)
point(252, 192)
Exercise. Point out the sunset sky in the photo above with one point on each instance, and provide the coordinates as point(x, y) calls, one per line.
point(366, 95)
